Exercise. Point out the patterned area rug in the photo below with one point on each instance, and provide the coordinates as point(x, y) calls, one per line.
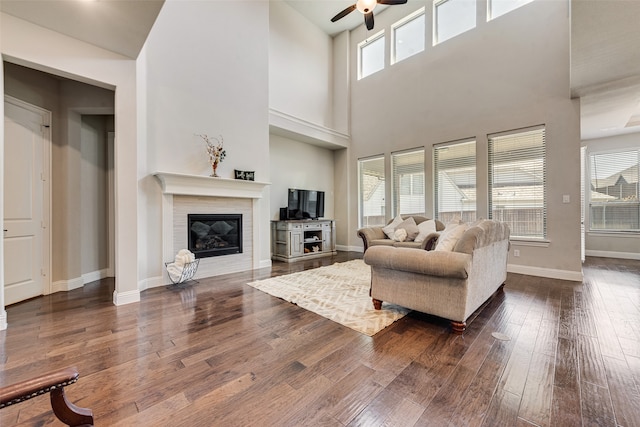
point(339, 292)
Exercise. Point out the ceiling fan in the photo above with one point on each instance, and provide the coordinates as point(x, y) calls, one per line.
point(366, 8)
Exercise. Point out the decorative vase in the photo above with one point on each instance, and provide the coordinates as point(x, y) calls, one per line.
point(214, 166)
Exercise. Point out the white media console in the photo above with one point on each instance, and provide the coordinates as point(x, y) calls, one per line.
point(294, 240)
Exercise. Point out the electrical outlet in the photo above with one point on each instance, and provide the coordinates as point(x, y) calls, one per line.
point(516, 252)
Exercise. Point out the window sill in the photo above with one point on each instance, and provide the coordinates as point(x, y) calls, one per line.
point(540, 243)
point(608, 233)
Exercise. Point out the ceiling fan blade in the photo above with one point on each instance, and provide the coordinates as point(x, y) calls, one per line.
point(392, 1)
point(344, 13)
point(368, 20)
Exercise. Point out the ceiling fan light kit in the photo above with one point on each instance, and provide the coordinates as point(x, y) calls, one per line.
point(366, 8)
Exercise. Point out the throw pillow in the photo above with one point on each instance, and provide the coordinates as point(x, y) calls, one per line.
point(400, 235)
point(424, 229)
point(391, 228)
point(409, 225)
point(450, 236)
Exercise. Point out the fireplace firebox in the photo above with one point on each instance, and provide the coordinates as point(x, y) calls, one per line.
point(214, 234)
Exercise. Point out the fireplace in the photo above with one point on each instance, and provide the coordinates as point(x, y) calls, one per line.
point(214, 234)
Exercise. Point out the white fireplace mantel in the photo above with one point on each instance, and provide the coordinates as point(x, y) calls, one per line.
point(175, 184)
point(196, 185)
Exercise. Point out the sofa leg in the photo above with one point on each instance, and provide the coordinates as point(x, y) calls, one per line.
point(458, 327)
point(377, 304)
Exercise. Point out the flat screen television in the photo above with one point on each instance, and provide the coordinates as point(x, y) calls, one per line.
point(305, 204)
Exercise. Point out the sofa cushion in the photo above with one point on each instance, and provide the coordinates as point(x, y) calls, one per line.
point(424, 229)
point(391, 227)
point(450, 236)
point(409, 225)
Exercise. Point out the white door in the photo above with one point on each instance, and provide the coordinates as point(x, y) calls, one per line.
point(25, 241)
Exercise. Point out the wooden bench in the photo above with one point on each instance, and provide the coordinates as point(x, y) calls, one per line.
point(53, 383)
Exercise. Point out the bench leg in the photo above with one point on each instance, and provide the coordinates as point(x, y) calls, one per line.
point(67, 412)
point(377, 304)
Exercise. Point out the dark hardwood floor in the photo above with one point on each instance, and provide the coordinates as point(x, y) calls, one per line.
point(221, 353)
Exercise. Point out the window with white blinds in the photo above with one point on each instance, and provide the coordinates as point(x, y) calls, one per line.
point(614, 201)
point(517, 181)
point(371, 189)
point(407, 186)
point(455, 181)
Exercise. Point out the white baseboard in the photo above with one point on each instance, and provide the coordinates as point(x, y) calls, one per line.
point(3, 320)
point(128, 297)
point(67, 285)
point(551, 273)
point(95, 276)
point(611, 254)
point(264, 263)
point(151, 282)
point(346, 248)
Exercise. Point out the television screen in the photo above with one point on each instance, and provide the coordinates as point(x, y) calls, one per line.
point(305, 204)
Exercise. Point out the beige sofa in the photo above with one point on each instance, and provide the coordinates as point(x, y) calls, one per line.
point(449, 284)
point(375, 236)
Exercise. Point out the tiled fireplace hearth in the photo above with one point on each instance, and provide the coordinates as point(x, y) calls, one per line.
point(185, 195)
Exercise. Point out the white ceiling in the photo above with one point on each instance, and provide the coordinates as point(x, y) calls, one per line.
point(605, 44)
point(120, 26)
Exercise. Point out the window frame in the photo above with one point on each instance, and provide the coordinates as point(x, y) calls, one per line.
point(361, 201)
point(589, 201)
point(436, 178)
point(395, 182)
point(491, 17)
point(435, 24)
point(401, 23)
point(379, 36)
point(541, 237)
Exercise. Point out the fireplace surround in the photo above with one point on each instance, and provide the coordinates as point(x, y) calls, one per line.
point(186, 194)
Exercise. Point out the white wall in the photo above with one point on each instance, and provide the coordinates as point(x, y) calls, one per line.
point(605, 244)
point(300, 66)
point(207, 65)
point(93, 194)
point(3, 313)
point(509, 73)
point(298, 165)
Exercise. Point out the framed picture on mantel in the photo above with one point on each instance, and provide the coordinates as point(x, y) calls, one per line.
point(244, 175)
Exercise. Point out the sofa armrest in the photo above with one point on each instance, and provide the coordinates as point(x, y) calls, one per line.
point(430, 241)
point(371, 233)
point(453, 265)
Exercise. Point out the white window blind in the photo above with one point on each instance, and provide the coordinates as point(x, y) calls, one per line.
point(614, 197)
point(517, 181)
point(408, 182)
point(455, 181)
point(371, 189)
point(452, 17)
point(408, 36)
point(371, 55)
